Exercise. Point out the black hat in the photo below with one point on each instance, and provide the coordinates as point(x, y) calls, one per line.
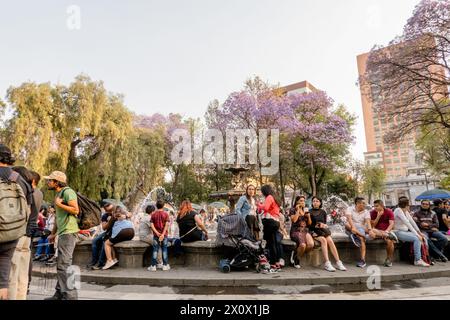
point(5, 155)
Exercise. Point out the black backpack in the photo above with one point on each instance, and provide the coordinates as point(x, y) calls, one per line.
point(90, 212)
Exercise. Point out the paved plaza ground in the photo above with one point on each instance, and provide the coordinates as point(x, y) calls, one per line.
point(399, 282)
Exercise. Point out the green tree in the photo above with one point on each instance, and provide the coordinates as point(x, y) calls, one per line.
point(373, 180)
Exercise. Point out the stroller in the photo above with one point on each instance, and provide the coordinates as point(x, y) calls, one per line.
point(240, 247)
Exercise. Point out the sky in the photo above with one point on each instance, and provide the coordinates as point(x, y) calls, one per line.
point(175, 56)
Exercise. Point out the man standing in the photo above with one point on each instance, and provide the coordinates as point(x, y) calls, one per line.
point(383, 222)
point(22, 242)
point(66, 227)
point(428, 223)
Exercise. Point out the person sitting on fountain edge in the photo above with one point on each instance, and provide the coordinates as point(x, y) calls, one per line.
point(359, 228)
point(382, 220)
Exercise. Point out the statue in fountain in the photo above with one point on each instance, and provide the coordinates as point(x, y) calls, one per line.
point(336, 209)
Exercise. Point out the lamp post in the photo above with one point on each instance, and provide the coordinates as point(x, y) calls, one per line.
point(424, 173)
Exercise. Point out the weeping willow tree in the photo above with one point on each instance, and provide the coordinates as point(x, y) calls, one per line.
point(85, 131)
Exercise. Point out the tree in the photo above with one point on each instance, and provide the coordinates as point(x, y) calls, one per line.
point(409, 80)
point(373, 180)
point(85, 131)
point(320, 136)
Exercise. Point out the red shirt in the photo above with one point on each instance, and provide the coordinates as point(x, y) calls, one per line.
point(383, 223)
point(270, 206)
point(159, 219)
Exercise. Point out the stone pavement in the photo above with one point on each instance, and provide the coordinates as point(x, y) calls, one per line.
point(185, 277)
point(436, 289)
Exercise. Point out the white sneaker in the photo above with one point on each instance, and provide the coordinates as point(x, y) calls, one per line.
point(292, 257)
point(282, 263)
point(151, 268)
point(116, 261)
point(159, 266)
point(340, 266)
point(329, 267)
point(166, 268)
point(109, 264)
point(421, 263)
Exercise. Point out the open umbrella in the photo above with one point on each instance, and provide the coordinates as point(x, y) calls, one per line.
point(114, 202)
point(434, 194)
point(196, 207)
point(217, 204)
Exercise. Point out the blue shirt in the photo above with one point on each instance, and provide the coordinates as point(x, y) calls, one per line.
point(119, 225)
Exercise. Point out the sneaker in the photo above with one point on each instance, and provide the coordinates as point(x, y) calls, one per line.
point(392, 236)
point(281, 262)
point(37, 258)
point(361, 264)
point(340, 266)
point(421, 263)
point(388, 263)
point(166, 267)
point(355, 239)
point(151, 268)
point(292, 258)
point(297, 263)
point(57, 296)
point(443, 259)
point(116, 261)
point(96, 267)
point(329, 267)
point(159, 266)
point(109, 264)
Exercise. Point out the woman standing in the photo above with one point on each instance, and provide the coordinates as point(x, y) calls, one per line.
point(271, 224)
point(190, 224)
point(322, 234)
point(246, 209)
point(300, 221)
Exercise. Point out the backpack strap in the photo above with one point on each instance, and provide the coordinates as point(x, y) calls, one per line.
point(14, 176)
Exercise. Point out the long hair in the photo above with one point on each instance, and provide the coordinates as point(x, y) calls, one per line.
point(297, 199)
point(267, 190)
point(315, 197)
point(185, 208)
point(24, 173)
point(246, 190)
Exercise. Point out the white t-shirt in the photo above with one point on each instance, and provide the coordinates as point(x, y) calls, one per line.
point(358, 218)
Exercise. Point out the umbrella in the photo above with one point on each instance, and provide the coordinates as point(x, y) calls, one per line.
point(114, 202)
point(196, 207)
point(218, 205)
point(434, 194)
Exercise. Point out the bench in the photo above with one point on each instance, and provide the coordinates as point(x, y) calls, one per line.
point(205, 254)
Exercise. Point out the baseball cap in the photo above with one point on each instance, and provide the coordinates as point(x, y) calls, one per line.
point(58, 176)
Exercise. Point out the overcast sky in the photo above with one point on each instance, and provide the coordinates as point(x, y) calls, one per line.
point(176, 56)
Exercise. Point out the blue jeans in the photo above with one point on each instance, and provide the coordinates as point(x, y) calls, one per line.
point(98, 250)
point(436, 246)
point(163, 246)
point(43, 243)
point(407, 236)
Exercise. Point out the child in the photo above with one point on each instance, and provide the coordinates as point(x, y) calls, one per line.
point(160, 225)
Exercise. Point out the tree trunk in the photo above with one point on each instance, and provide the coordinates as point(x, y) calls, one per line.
point(281, 184)
point(312, 180)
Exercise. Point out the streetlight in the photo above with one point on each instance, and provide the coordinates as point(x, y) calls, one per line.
point(424, 173)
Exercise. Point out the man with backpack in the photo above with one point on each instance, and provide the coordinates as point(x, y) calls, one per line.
point(15, 203)
point(66, 227)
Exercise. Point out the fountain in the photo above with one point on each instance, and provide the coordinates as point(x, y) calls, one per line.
point(336, 209)
point(237, 190)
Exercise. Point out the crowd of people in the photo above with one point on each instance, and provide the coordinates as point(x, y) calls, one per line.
point(58, 230)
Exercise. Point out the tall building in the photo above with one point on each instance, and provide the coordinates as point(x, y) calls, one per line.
point(299, 87)
point(403, 166)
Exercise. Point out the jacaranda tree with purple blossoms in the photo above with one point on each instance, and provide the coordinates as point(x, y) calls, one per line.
point(314, 136)
point(320, 135)
point(409, 79)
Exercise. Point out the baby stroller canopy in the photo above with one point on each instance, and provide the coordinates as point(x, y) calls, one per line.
point(231, 225)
